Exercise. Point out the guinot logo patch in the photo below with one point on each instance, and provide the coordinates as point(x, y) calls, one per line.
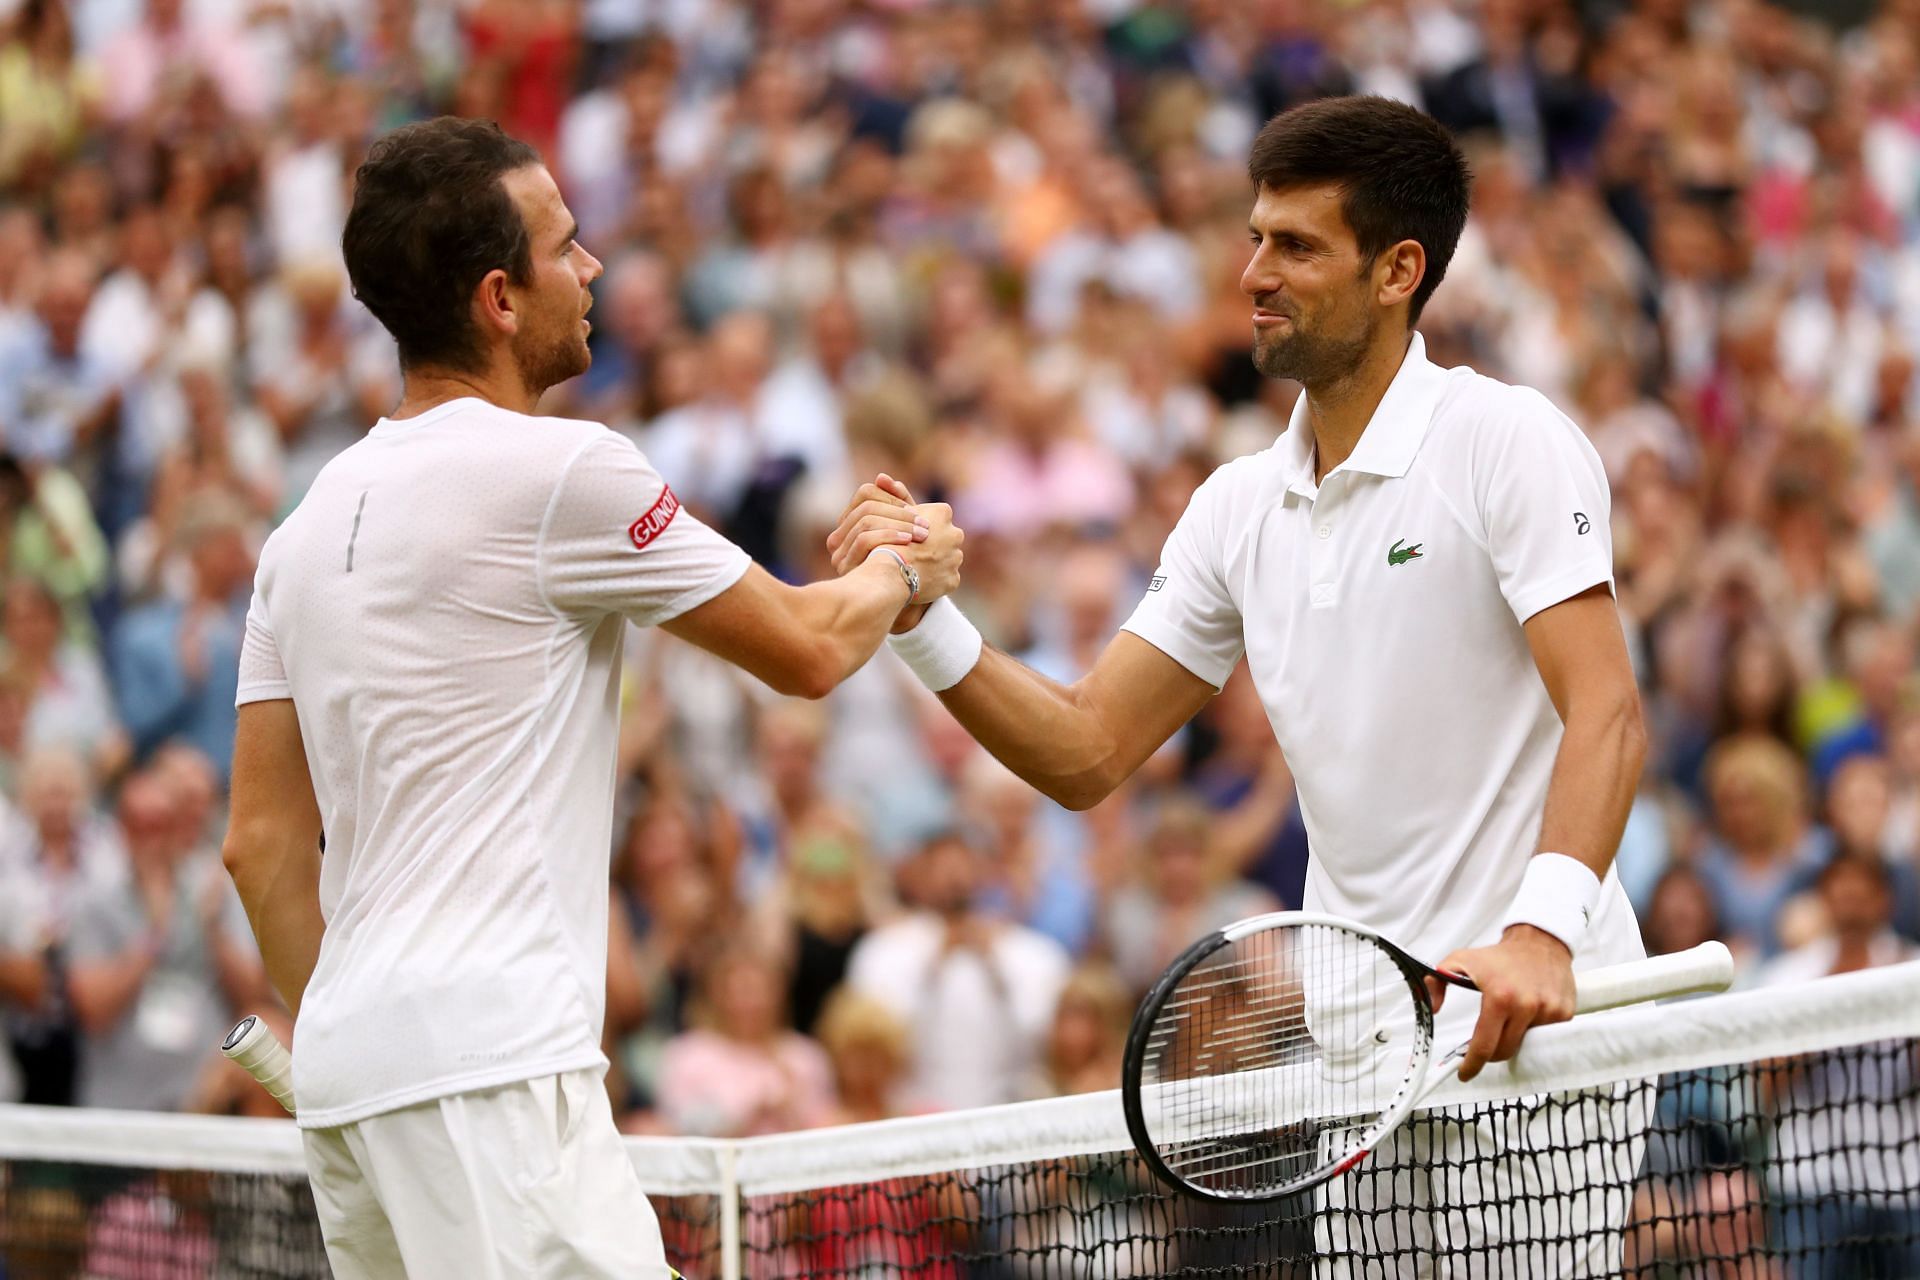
point(655, 522)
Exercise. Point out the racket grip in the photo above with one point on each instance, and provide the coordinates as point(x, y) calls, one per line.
point(253, 1045)
point(1707, 967)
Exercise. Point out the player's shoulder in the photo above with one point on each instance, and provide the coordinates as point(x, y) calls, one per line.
point(1479, 418)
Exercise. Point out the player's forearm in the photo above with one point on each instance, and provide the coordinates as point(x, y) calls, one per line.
point(1595, 776)
point(840, 624)
point(278, 877)
point(1045, 732)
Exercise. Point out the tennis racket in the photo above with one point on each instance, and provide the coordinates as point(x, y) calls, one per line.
point(253, 1045)
point(1275, 1053)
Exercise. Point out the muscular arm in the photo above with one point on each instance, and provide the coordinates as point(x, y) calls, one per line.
point(272, 849)
point(1582, 656)
point(802, 641)
point(1076, 743)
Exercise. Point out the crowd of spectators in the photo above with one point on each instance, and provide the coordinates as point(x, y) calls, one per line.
point(990, 247)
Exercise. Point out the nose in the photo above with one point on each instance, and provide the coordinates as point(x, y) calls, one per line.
point(594, 267)
point(1260, 275)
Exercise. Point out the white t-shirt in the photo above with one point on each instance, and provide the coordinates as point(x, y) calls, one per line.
point(445, 609)
point(1380, 613)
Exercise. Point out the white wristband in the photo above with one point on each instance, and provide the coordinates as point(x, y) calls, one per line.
point(1558, 895)
point(942, 649)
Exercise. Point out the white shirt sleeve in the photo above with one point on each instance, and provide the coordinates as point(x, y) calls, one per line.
point(617, 541)
point(262, 676)
point(1187, 612)
point(1546, 509)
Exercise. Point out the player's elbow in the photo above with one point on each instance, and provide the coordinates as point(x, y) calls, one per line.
point(1081, 791)
point(808, 671)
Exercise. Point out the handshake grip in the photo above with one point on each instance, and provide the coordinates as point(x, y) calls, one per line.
point(253, 1045)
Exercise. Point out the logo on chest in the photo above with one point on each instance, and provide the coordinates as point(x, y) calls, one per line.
point(1399, 553)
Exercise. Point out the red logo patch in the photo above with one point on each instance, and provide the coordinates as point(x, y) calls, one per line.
point(655, 522)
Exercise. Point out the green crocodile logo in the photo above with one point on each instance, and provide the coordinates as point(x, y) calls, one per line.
point(1396, 556)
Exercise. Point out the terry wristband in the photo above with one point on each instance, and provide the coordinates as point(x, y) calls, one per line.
point(1558, 895)
point(942, 649)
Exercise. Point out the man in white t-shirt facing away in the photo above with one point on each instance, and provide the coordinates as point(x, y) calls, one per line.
point(1419, 575)
point(430, 677)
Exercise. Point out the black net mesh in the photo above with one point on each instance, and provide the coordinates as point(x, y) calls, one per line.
point(71, 1221)
point(1804, 1167)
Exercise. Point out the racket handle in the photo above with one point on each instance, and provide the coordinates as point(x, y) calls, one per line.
point(253, 1045)
point(1707, 967)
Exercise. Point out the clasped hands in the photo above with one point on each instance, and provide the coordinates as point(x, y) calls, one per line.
point(884, 514)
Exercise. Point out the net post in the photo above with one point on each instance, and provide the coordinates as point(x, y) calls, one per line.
point(729, 1212)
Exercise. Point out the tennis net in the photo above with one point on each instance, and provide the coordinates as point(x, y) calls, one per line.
point(1768, 1133)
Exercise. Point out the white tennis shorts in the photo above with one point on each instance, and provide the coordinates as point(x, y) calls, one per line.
point(1537, 1187)
point(527, 1180)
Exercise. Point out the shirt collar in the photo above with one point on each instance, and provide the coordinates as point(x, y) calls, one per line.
point(1392, 436)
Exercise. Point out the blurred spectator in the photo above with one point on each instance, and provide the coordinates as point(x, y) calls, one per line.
point(162, 960)
point(1856, 897)
point(1763, 850)
point(1089, 1032)
point(176, 661)
point(825, 902)
point(743, 1070)
point(68, 702)
point(23, 968)
point(1182, 890)
point(47, 99)
point(172, 45)
point(57, 857)
point(59, 394)
point(669, 904)
point(1680, 914)
point(948, 970)
point(868, 1048)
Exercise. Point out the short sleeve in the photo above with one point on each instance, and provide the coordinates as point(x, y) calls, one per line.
point(1187, 612)
point(616, 540)
point(1546, 509)
point(262, 677)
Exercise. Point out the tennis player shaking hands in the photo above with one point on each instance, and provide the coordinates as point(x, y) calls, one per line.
point(1419, 575)
point(431, 677)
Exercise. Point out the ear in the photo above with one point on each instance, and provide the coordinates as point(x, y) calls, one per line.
point(493, 305)
point(1398, 272)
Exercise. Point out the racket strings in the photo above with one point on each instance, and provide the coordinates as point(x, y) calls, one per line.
point(1274, 1058)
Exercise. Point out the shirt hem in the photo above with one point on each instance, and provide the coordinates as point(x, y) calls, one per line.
point(1170, 642)
point(1564, 587)
point(445, 1087)
point(262, 693)
point(689, 600)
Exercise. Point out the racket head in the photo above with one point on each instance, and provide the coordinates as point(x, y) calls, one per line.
point(1273, 1054)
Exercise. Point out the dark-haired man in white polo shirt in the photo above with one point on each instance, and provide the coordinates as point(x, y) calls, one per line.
point(1419, 574)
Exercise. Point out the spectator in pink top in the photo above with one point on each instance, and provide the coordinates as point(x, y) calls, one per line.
point(744, 1070)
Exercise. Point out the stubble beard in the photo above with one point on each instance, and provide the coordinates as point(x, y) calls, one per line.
point(550, 358)
point(1309, 358)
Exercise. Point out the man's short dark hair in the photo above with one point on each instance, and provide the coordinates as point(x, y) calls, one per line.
point(1401, 176)
point(430, 219)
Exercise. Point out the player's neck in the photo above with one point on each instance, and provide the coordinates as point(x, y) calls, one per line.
point(1339, 411)
point(427, 388)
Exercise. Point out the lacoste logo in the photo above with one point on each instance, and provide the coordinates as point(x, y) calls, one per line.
point(1396, 556)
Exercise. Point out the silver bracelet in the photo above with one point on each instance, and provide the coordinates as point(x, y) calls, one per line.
point(908, 572)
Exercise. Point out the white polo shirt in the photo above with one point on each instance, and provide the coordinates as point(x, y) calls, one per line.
point(1380, 613)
